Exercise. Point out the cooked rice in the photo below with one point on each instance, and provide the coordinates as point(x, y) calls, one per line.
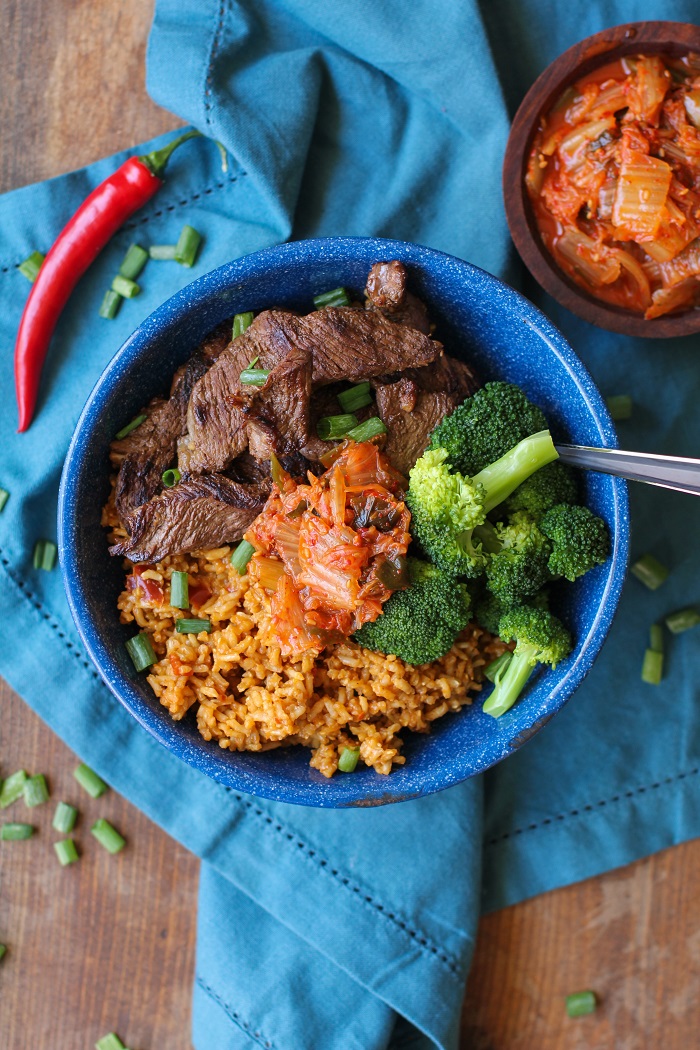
point(249, 697)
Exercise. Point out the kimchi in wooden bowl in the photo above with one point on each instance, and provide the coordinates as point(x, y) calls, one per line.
point(601, 179)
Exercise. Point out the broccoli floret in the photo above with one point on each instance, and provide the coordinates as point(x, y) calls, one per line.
point(579, 538)
point(520, 568)
point(485, 426)
point(489, 610)
point(421, 623)
point(554, 484)
point(540, 638)
point(448, 509)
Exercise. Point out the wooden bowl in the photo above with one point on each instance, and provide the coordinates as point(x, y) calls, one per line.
point(671, 38)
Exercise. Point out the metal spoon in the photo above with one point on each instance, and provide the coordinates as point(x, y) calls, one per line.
point(668, 472)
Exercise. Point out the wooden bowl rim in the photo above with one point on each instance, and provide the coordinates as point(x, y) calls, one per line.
point(578, 60)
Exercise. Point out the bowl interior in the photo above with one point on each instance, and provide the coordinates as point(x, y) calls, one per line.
point(478, 318)
point(671, 38)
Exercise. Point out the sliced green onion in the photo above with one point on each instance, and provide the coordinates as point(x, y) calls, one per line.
point(656, 638)
point(357, 397)
point(187, 246)
point(31, 266)
point(241, 556)
point(133, 262)
point(649, 571)
point(330, 427)
point(141, 651)
point(64, 818)
point(162, 251)
point(652, 667)
point(369, 429)
point(124, 287)
point(66, 851)
point(89, 781)
point(15, 832)
point(349, 757)
point(497, 666)
point(4, 496)
point(180, 590)
point(171, 477)
point(254, 376)
point(35, 791)
point(108, 836)
point(683, 620)
point(109, 1042)
point(241, 322)
point(335, 297)
point(44, 555)
point(13, 788)
point(110, 305)
point(581, 1003)
point(193, 626)
point(133, 425)
point(3, 949)
point(620, 406)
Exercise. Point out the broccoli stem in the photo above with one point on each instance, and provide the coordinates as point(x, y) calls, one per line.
point(501, 478)
point(509, 685)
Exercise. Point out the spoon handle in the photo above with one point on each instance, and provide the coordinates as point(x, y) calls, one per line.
point(669, 472)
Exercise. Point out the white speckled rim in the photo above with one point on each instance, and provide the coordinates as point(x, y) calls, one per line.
point(455, 751)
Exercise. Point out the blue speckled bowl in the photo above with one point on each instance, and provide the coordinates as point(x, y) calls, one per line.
point(478, 317)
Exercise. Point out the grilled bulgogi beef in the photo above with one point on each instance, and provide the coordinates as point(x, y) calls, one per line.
point(386, 291)
point(197, 514)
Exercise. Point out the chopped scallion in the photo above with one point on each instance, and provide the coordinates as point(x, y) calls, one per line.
point(357, 397)
point(141, 651)
point(109, 1042)
point(108, 836)
point(171, 477)
point(13, 788)
point(254, 376)
point(180, 590)
point(124, 287)
point(348, 760)
point(31, 266)
point(64, 818)
point(15, 832)
point(335, 297)
point(369, 429)
point(135, 422)
point(497, 666)
point(581, 1003)
point(649, 571)
point(652, 667)
point(44, 555)
point(241, 322)
point(4, 496)
point(193, 626)
point(241, 556)
point(330, 427)
point(66, 852)
point(620, 406)
point(89, 781)
point(187, 246)
point(110, 305)
point(683, 620)
point(162, 251)
point(133, 262)
point(35, 790)
point(656, 638)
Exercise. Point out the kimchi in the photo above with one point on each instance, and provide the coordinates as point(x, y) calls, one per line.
point(614, 181)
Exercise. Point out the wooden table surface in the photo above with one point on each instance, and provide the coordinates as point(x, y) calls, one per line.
point(109, 943)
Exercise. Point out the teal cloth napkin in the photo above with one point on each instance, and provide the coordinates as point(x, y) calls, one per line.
point(355, 929)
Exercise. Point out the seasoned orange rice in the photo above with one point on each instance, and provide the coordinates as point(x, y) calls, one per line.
point(248, 697)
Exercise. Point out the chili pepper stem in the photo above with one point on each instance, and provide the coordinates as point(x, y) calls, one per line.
point(157, 161)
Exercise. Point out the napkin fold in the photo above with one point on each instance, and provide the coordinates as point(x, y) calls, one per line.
point(355, 928)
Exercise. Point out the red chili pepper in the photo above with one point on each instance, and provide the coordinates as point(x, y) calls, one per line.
point(97, 219)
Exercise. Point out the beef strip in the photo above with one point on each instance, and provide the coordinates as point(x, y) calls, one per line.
point(197, 514)
point(386, 292)
point(413, 405)
point(150, 449)
point(342, 343)
point(278, 419)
